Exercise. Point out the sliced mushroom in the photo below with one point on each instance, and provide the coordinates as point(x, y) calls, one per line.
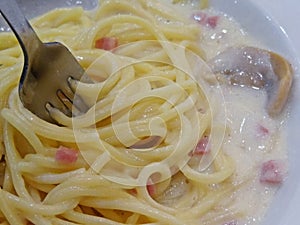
point(256, 68)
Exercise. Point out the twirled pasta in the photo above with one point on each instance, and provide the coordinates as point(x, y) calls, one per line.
point(150, 106)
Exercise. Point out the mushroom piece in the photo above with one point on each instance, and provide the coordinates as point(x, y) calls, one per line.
point(256, 68)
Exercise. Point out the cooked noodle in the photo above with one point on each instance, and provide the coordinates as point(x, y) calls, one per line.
point(150, 105)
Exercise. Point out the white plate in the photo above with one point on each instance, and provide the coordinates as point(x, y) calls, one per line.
point(275, 23)
point(286, 207)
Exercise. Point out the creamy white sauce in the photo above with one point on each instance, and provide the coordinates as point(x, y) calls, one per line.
point(250, 148)
point(253, 136)
point(246, 115)
point(226, 34)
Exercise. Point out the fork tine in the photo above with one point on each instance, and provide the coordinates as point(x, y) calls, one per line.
point(78, 102)
point(54, 112)
point(66, 103)
point(73, 104)
point(47, 68)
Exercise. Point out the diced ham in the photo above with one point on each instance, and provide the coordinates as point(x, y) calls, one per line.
point(273, 172)
point(106, 43)
point(212, 21)
point(262, 131)
point(203, 19)
point(66, 155)
point(201, 147)
point(151, 188)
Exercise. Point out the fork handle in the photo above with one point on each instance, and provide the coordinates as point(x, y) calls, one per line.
point(23, 31)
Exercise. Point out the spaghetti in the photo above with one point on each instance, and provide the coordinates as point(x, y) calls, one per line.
point(136, 156)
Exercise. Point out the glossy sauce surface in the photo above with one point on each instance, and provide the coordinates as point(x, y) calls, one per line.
point(253, 138)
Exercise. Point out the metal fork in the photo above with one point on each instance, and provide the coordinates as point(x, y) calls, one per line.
point(48, 69)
